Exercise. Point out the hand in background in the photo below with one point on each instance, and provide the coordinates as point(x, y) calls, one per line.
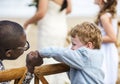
point(25, 25)
point(33, 59)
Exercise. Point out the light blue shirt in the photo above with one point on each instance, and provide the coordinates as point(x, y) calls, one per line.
point(85, 64)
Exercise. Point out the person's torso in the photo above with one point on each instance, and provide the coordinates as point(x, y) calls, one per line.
point(91, 72)
point(54, 15)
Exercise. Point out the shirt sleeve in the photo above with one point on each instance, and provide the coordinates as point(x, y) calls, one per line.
point(28, 78)
point(70, 57)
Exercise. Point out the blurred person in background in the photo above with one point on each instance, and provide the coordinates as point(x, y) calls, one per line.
point(107, 22)
point(52, 28)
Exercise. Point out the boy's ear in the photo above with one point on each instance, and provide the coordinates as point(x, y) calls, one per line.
point(8, 53)
point(90, 45)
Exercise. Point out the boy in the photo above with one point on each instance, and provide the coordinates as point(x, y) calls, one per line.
point(84, 58)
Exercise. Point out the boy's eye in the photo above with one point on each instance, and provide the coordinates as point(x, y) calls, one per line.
point(73, 44)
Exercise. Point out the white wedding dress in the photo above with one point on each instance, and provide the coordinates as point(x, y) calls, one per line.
point(52, 28)
point(52, 31)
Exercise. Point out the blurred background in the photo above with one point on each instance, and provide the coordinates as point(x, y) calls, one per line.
point(20, 8)
point(19, 11)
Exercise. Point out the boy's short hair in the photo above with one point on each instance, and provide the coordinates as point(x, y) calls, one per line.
point(87, 32)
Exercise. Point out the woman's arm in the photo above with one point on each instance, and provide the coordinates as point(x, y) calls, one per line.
point(69, 7)
point(108, 27)
point(41, 11)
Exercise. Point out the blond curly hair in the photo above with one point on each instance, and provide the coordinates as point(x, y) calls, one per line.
point(87, 32)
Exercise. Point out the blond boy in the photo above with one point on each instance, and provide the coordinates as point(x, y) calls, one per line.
point(84, 58)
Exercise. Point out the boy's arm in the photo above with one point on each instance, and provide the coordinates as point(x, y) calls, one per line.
point(65, 55)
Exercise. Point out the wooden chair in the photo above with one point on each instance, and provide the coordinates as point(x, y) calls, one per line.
point(18, 74)
point(50, 69)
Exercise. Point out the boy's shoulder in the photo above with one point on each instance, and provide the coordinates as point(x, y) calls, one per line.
point(89, 51)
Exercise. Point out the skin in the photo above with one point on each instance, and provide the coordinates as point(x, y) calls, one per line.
point(12, 54)
point(107, 25)
point(76, 43)
point(42, 9)
point(33, 59)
